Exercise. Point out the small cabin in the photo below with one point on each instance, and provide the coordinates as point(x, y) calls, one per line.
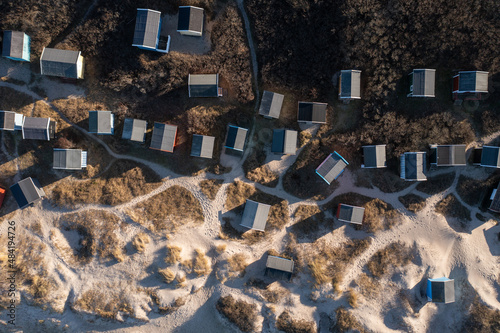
point(332, 167)
point(190, 21)
point(270, 104)
point(202, 146)
point(11, 121)
point(236, 137)
point(470, 85)
point(27, 192)
point(422, 83)
point(69, 159)
point(350, 84)
point(16, 45)
point(101, 122)
point(280, 268)
point(441, 290)
point(413, 166)
point(312, 112)
point(147, 33)
point(490, 157)
point(284, 142)
point(350, 214)
point(134, 129)
point(204, 85)
point(448, 155)
point(495, 200)
point(38, 128)
point(62, 63)
point(163, 138)
point(255, 215)
point(374, 157)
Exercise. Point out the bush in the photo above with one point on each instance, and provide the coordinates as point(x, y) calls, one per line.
point(450, 206)
point(287, 324)
point(210, 187)
point(240, 313)
point(393, 255)
point(481, 319)
point(437, 184)
point(412, 202)
point(345, 322)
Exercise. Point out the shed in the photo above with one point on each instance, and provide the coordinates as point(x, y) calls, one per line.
point(350, 84)
point(331, 168)
point(62, 63)
point(38, 128)
point(190, 21)
point(69, 159)
point(7, 120)
point(350, 214)
point(255, 215)
point(134, 129)
point(413, 166)
point(277, 267)
point(312, 112)
point(147, 31)
point(284, 141)
point(441, 290)
point(16, 45)
point(422, 83)
point(101, 122)
point(470, 82)
point(374, 157)
point(203, 85)
point(495, 200)
point(163, 137)
point(490, 157)
point(448, 155)
point(236, 137)
point(203, 146)
point(270, 105)
point(27, 191)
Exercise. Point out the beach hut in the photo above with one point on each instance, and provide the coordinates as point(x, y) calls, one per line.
point(202, 146)
point(236, 137)
point(284, 141)
point(470, 85)
point(495, 200)
point(190, 21)
point(374, 157)
point(16, 45)
point(350, 84)
point(490, 157)
point(441, 290)
point(134, 129)
point(278, 267)
point(312, 113)
point(69, 159)
point(413, 166)
point(63, 63)
point(331, 168)
point(255, 215)
point(204, 85)
point(448, 155)
point(38, 128)
point(163, 137)
point(11, 121)
point(350, 214)
point(27, 192)
point(422, 83)
point(101, 122)
point(270, 104)
point(147, 31)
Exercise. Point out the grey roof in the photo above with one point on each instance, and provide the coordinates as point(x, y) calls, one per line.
point(495, 203)
point(255, 215)
point(442, 291)
point(351, 214)
point(147, 25)
point(331, 167)
point(163, 137)
point(36, 128)
point(7, 120)
point(413, 166)
point(490, 156)
point(68, 159)
point(101, 122)
point(284, 141)
point(282, 264)
point(203, 85)
point(270, 105)
point(312, 112)
point(134, 129)
point(350, 84)
point(450, 155)
point(236, 137)
point(424, 81)
point(27, 191)
point(190, 18)
point(473, 81)
point(61, 63)
point(203, 146)
point(13, 44)
point(374, 156)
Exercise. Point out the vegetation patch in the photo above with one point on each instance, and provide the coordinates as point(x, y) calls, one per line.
point(346, 322)
point(105, 304)
point(482, 318)
point(256, 171)
point(386, 180)
point(310, 220)
point(287, 324)
point(412, 202)
point(437, 184)
point(240, 313)
point(473, 191)
point(451, 207)
point(393, 255)
point(369, 286)
point(141, 240)
point(237, 264)
point(210, 187)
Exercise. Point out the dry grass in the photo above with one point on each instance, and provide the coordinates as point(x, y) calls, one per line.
point(140, 241)
point(43, 110)
point(105, 304)
point(167, 274)
point(304, 138)
point(274, 293)
point(201, 264)
point(368, 286)
point(240, 313)
point(256, 171)
point(77, 109)
point(412, 202)
point(451, 207)
point(171, 308)
point(472, 191)
point(12, 100)
point(481, 319)
point(310, 219)
point(286, 323)
point(220, 248)
point(237, 264)
point(173, 254)
point(393, 255)
point(437, 184)
point(353, 298)
point(346, 322)
point(210, 187)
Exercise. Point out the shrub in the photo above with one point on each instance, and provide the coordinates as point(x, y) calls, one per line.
point(412, 202)
point(393, 255)
point(345, 322)
point(201, 263)
point(450, 206)
point(287, 324)
point(210, 187)
point(140, 241)
point(482, 318)
point(167, 274)
point(173, 254)
point(240, 313)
